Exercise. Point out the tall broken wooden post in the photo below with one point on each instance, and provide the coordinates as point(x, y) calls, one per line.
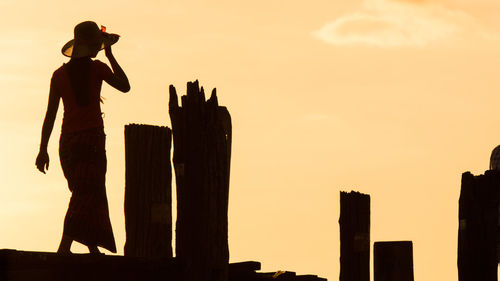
point(478, 227)
point(148, 175)
point(393, 261)
point(202, 151)
point(354, 236)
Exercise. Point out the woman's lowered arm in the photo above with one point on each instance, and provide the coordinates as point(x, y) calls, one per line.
point(42, 160)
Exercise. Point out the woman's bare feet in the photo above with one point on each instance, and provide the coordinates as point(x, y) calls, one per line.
point(65, 246)
point(94, 250)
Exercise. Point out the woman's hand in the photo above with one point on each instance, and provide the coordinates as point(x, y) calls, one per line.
point(42, 160)
point(119, 79)
point(107, 51)
point(114, 39)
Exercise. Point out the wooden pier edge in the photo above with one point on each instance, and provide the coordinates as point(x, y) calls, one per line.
point(45, 266)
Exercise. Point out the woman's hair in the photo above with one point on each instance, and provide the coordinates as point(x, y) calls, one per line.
point(79, 77)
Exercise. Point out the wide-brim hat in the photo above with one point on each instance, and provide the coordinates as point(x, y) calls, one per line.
point(88, 39)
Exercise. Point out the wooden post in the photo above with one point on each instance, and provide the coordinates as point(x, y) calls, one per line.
point(354, 236)
point(202, 148)
point(478, 227)
point(393, 261)
point(148, 193)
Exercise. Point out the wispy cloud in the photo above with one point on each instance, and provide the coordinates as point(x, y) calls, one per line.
point(386, 23)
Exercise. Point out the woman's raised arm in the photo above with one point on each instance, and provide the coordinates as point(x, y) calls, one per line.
point(119, 79)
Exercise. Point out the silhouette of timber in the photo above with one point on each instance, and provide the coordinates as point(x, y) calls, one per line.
point(354, 236)
point(246, 271)
point(202, 152)
point(24, 266)
point(478, 227)
point(393, 261)
point(148, 202)
point(29, 266)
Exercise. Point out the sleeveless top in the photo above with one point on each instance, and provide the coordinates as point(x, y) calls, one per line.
point(78, 118)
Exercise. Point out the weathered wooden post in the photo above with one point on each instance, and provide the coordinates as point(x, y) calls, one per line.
point(478, 227)
point(202, 151)
point(354, 236)
point(148, 175)
point(393, 261)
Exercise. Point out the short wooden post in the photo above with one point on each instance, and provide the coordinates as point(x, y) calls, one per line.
point(148, 193)
point(354, 236)
point(202, 151)
point(478, 227)
point(393, 261)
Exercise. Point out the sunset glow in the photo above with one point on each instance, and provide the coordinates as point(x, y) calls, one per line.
point(395, 99)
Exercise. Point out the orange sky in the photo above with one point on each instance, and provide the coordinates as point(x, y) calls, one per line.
point(391, 98)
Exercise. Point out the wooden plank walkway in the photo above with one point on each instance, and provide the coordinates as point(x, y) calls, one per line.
point(42, 266)
point(25, 265)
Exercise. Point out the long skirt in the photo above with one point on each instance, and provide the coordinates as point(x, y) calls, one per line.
point(83, 160)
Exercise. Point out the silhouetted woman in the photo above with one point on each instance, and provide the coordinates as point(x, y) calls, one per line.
point(82, 144)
